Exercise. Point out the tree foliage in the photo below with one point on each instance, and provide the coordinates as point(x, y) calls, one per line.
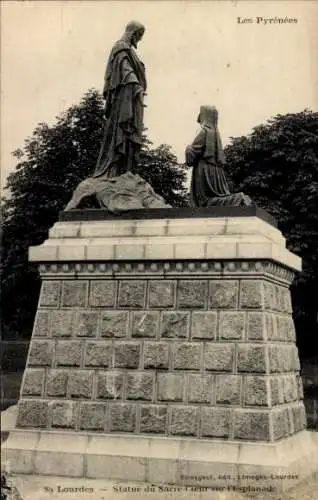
point(53, 162)
point(277, 165)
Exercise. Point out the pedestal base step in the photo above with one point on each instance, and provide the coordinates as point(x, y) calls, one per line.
point(183, 462)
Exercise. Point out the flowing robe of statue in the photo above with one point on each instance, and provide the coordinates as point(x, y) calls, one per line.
point(113, 185)
point(208, 184)
point(125, 85)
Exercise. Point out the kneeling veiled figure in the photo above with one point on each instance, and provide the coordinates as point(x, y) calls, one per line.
point(209, 185)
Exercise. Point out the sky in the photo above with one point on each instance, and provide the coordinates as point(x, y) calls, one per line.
point(195, 52)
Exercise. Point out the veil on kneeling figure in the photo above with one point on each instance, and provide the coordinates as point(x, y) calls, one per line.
point(209, 186)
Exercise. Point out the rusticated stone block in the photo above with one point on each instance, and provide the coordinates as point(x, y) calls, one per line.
point(187, 356)
point(161, 294)
point(295, 364)
point(276, 364)
point(228, 389)
point(50, 293)
point(287, 301)
point(114, 324)
point(80, 384)
point(291, 429)
point(93, 416)
point(223, 294)
point(300, 387)
point(280, 423)
point(127, 355)
point(32, 413)
point(203, 325)
point(98, 354)
point(33, 382)
point(252, 425)
point(269, 296)
point(153, 419)
point(256, 391)
point(290, 327)
point(145, 324)
point(56, 384)
point(68, 353)
point(279, 298)
point(175, 325)
point(170, 387)
point(252, 358)
point(216, 422)
point(102, 293)
point(42, 324)
point(273, 297)
point(41, 353)
point(277, 396)
point(218, 357)
point(63, 414)
point(63, 323)
point(232, 325)
point(132, 294)
point(282, 358)
point(183, 420)
point(282, 328)
point(271, 327)
point(256, 326)
point(74, 293)
point(156, 355)
point(290, 388)
point(122, 417)
point(299, 417)
point(192, 294)
point(87, 324)
point(140, 386)
point(110, 385)
point(200, 388)
point(251, 294)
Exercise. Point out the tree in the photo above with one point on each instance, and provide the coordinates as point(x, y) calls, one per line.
point(53, 162)
point(277, 165)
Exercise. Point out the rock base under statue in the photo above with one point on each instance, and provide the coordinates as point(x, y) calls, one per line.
point(126, 192)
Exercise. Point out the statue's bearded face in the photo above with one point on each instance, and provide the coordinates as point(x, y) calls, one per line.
point(137, 36)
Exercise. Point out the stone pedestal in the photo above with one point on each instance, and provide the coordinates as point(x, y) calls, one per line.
point(164, 349)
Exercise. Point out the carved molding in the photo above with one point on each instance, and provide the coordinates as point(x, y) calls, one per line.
point(190, 269)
